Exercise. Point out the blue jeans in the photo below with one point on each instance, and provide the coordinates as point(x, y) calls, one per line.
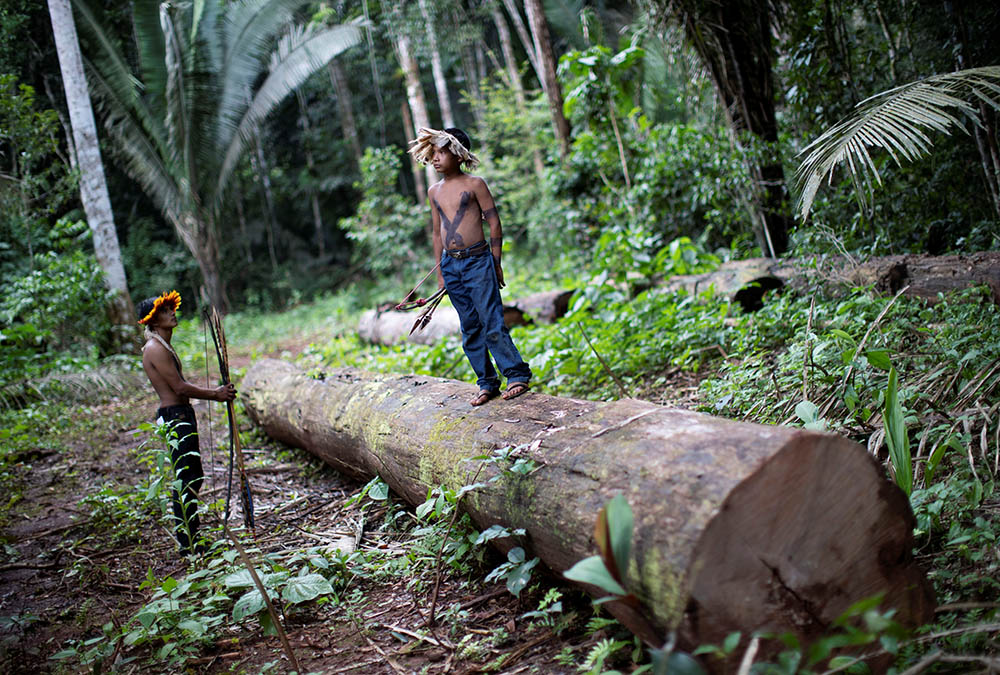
point(475, 293)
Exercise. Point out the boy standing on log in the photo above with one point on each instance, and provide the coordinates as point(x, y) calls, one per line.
point(470, 265)
point(163, 368)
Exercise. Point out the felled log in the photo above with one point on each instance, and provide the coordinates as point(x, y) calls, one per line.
point(389, 326)
point(737, 526)
point(746, 281)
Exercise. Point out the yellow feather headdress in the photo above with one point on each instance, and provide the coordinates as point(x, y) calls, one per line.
point(422, 148)
point(172, 298)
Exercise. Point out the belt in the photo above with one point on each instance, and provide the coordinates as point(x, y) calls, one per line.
point(476, 249)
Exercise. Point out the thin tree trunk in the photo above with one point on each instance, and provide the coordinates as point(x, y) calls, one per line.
point(419, 183)
point(526, 41)
point(264, 176)
point(514, 75)
point(197, 231)
point(985, 135)
point(440, 82)
point(415, 95)
point(547, 60)
point(737, 526)
point(310, 164)
point(469, 68)
point(345, 104)
point(93, 186)
point(242, 219)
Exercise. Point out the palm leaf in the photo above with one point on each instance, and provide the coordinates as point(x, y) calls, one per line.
point(150, 45)
point(313, 51)
point(896, 121)
point(247, 33)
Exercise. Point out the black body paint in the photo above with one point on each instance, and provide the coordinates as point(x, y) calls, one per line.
point(452, 239)
point(489, 213)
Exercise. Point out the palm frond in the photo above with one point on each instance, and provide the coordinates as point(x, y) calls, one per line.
point(150, 43)
point(178, 94)
point(247, 34)
point(896, 121)
point(312, 53)
point(144, 161)
point(119, 86)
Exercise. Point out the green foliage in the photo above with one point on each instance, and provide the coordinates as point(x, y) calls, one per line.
point(387, 228)
point(35, 181)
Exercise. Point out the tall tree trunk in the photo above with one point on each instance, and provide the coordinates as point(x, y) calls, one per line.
point(469, 69)
point(259, 162)
point(345, 104)
point(242, 220)
point(985, 135)
point(415, 95)
point(419, 183)
point(547, 60)
point(93, 187)
point(526, 41)
point(197, 231)
point(734, 42)
point(310, 164)
point(440, 82)
point(514, 75)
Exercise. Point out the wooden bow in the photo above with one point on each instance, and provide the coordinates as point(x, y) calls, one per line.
point(235, 447)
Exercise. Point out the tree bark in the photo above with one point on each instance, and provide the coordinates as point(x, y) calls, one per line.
point(419, 182)
point(414, 94)
point(514, 75)
point(310, 165)
point(526, 41)
point(440, 82)
point(923, 276)
point(547, 60)
point(389, 327)
point(346, 107)
point(738, 527)
point(734, 41)
point(93, 186)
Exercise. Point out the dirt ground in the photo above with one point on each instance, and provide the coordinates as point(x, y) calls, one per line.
point(63, 575)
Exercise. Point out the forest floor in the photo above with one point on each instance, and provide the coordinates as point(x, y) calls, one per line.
point(82, 564)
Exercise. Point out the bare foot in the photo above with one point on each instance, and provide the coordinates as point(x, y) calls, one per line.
point(514, 390)
point(483, 396)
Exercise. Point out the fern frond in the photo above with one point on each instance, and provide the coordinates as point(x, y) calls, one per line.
point(896, 121)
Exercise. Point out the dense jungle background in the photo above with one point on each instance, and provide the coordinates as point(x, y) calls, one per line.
point(252, 155)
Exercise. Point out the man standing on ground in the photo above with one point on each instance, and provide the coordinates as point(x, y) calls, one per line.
point(163, 367)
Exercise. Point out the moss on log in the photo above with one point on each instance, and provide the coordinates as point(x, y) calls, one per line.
point(737, 526)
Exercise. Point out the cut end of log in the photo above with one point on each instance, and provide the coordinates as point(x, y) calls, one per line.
point(814, 530)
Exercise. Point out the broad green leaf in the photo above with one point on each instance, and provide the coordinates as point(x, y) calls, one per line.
point(249, 603)
point(879, 358)
point(379, 491)
point(807, 411)
point(520, 576)
point(619, 519)
point(195, 627)
point(239, 579)
point(592, 571)
point(305, 588)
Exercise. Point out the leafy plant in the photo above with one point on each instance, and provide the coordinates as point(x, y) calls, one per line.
point(895, 121)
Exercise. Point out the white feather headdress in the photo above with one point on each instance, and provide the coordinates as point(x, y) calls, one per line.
point(422, 148)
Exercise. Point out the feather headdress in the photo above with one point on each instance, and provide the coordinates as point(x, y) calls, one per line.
point(148, 307)
point(422, 148)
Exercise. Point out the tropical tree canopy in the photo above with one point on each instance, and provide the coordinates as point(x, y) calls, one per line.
point(184, 119)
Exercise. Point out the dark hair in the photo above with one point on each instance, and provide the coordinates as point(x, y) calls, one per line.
point(462, 137)
point(145, 307)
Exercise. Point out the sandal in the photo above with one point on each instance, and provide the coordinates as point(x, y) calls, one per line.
point(484, 396)
point(514, 390)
